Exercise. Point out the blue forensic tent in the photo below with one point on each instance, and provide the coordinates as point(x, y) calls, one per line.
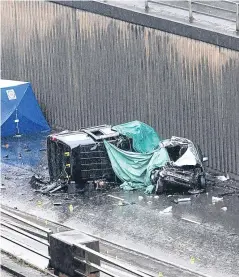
point(20, 112)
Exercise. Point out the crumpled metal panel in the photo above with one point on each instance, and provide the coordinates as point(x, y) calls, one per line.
point(88, 69)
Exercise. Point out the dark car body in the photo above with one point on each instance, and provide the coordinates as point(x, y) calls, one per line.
point(184, 169)
point(81, 156)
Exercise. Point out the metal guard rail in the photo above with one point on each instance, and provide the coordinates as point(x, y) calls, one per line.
point(190, 9)
point(46, 230)
point(20, 230)
point(109, 260)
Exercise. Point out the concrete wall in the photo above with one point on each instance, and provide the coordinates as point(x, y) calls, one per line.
point(88, 69)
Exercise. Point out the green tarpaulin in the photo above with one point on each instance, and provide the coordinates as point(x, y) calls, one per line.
point(134, 169)
point(145, 139)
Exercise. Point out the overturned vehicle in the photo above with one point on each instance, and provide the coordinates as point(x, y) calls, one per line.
point(80, 156)
point(185, 167)
point(131, 154)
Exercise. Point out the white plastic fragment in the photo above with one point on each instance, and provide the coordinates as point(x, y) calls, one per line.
point(122, 203)
point(115, 197)
point(167, 210)
point(140, 198)
point(184, 199)
point(156, 197)
point(190, 220)
point(55, 204)
point(223, 178)
point(224, 209)
point(216, 199)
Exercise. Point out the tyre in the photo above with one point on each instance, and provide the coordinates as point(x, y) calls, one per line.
point(202, 181)
point(159, 186)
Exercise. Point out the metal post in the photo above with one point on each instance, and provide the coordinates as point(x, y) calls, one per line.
point(146, 6)
point(87, 268)
point(237, 17)
point(49, 246)
point(190, 11)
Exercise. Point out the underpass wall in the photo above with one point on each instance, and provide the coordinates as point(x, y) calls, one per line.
point(88, 69)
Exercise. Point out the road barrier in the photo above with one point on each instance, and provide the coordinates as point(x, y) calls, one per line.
point(203, 8)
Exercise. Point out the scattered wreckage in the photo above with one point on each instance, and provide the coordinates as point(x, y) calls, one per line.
point(130, 153)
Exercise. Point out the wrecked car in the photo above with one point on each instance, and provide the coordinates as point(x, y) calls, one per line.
point(131, 154)
point(80, 156)
point(185, 167)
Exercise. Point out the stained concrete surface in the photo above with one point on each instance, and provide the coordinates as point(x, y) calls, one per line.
point(210, 20)
point(6, 274)
point(11, 266)
point(198, 234)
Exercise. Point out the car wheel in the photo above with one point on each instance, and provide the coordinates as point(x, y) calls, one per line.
point(159, 186)
point(202, 182)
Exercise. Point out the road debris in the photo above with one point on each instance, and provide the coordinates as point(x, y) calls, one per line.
point(223, 178)
point(71, 208)
point(122, 203)
point(57, 203)
point(190, 220)
point(167, 210)
point(196, 191)
point(26, 148)
point(115, 197)
point(224, 209)
point(216, 199)
point(3, 187)
point(181, 200)
point(140, 198)
point(5, 145)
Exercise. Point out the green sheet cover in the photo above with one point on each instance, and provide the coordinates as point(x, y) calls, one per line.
point(134, 169)
point(145, 139)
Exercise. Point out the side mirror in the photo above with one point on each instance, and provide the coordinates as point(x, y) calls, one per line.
point(205, 159)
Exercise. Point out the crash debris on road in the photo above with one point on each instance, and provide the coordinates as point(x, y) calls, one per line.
point(130, 156)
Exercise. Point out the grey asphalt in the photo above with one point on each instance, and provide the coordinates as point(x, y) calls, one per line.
point(198, 235)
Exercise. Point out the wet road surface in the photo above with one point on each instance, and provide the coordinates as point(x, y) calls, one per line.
point(198, 234)
point(146, 263)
